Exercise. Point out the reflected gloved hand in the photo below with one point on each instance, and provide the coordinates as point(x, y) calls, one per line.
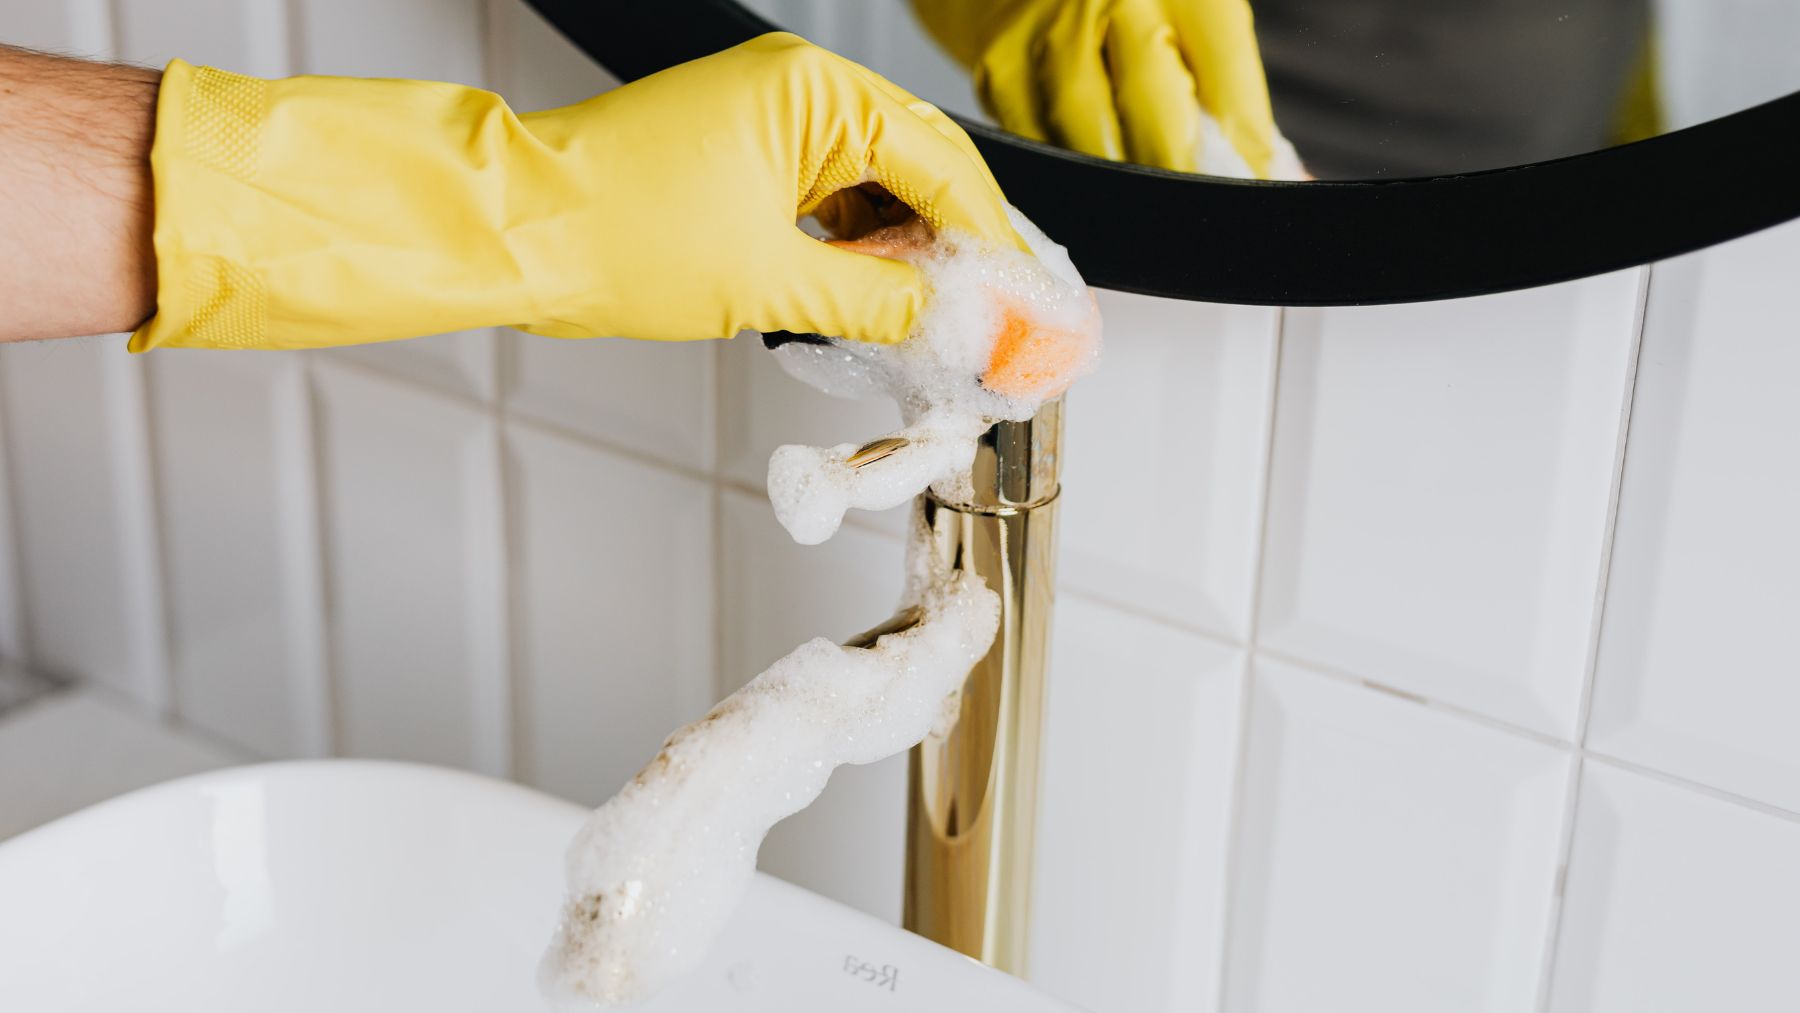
point(321, 211)
point(1127, 80)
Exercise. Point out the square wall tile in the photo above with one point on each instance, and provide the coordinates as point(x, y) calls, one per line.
point(460, 363)
point(1439, 491)
point(1127, 915)
point(775, 595)
point(243, 36)
point(655, 397)
point(850, 845)
point(428, 40)
point(1697, 673)
point(1718, 57)
point(1390, 857)
point(761, 408)
point(412, 503)
point(41, 26)
point(1676, 901)
point(235, 477)
point(533, 66)
point(1164, 449)
point(613, 611)
point(85, 516)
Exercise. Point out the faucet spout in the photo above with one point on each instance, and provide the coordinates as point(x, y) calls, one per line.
point(972, 796)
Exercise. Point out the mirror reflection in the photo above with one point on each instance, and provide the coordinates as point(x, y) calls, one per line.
point(1326, 89)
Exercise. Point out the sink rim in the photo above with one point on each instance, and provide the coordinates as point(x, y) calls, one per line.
point(332, 768)
point(170, 837)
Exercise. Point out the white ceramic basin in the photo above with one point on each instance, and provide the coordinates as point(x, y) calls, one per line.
point(353, 885)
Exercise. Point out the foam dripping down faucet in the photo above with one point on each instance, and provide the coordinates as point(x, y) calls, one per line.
point(656, 871)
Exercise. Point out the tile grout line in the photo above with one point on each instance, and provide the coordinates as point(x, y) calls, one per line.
point(1519, 731)
point(16, 577)
point(717, 491)
point(1584, 701)
point(507, 756)
point(1697, 787)
point(1621, 454)
point(140, 529)
point(592, 442)
point(1240, 778)
point(1350, 678)
point(292, 38)
point(712, 441)
point(514, 418)
point(1135, 611)
point(330, 705)
point(303, 563)
point(513, 692)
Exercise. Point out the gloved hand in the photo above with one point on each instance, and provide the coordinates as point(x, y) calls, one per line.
point(1122, 79)
point(329, 211)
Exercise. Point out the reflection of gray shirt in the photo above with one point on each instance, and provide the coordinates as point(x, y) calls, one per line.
point(1369, 88)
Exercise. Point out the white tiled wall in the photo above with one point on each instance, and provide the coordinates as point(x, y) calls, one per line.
point(1485, 429)
point(1137, 797)
point(1697, 670)
point(1676, 901)
point(1424, 658)
point(1387, 854)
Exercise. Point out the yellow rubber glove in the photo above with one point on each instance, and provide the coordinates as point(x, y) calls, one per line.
point(1122, 79)
point(322, 211)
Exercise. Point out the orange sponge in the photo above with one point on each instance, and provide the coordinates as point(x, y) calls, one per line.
point(1030, 359)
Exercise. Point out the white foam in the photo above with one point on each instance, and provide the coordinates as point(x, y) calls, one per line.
point(655, 872)
point(936, 377)
point(812, 488)
point(1219, 158)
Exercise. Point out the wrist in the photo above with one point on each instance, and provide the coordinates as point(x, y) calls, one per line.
point(123, 164)
point(76, 177)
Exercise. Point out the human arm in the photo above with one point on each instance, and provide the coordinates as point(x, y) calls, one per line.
point(318, 211)
point(75, 210)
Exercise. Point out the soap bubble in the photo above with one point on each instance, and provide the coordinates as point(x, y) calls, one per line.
point(1001, 332)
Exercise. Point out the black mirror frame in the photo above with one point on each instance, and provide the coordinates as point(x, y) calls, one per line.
point(1138, 229)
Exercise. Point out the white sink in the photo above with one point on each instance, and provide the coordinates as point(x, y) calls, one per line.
point(354, 885)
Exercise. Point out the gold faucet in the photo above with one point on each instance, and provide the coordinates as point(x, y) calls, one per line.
point(972, 793)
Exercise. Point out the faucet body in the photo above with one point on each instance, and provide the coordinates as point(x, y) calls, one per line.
point(972, 794)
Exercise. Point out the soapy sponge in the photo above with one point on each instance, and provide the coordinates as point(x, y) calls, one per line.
point(1001, 332)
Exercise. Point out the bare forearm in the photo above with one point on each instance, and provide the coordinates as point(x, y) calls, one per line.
point(75, 205)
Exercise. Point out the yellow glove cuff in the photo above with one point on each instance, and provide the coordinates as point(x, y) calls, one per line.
point(317, 211)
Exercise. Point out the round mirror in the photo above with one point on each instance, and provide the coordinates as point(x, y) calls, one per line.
point(1438, 149)
point(1363, 89)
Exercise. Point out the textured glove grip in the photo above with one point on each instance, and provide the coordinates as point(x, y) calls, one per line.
point(317, 211)
point(211, 301)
